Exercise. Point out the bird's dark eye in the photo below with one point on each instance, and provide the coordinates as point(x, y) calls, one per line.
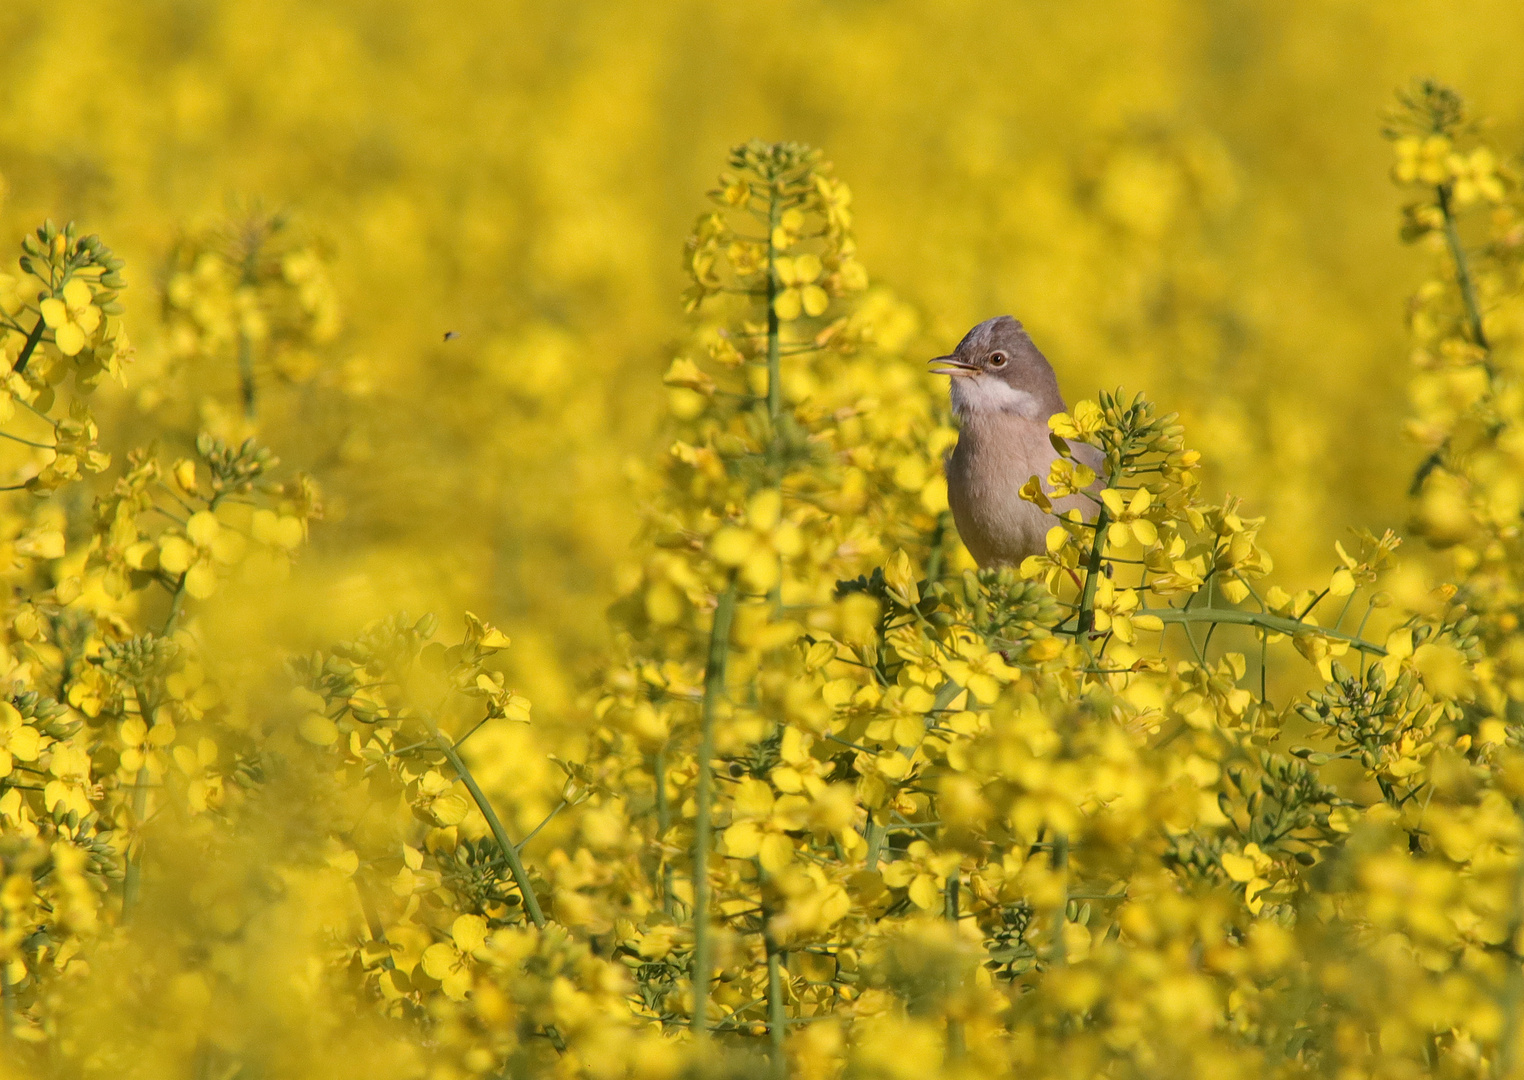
point(997, 359)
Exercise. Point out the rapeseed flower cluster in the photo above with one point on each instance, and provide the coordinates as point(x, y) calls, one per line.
point(838, 802)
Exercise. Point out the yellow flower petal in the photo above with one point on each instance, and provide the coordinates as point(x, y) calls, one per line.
point(24, 743)
point(176, 554)
point(925, 894)
point(203, 528)
point(456, 985)
point(201, 581)
point(54, 313)
point(77, 294)
point(70, 339)
point(754, 798)
point(787, 304)
point(318, 729)
point(731, 546)
point(776, 853)
point(1238, 868)
point(439, 959)
point(743, 840)
point(765, 509)
point(450, 809)
point(469, 932)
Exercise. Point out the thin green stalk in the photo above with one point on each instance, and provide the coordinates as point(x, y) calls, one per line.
point(1093, 573)
point(250, 278)
point(505, 845)
point(703, 824)
point(7, 991)
point(774, 363)
point(373, 921)
point(246, 374)
point(777, 1015)
point(546, 820)
point(774, 367)
point(1513, 984)
point(938, 543)
point(956, 1046)
point(30, 346)
point(1060, 863)
point(176, 607)
point(132, 882)
point(1473, 318)
point(1463, 277)
point(663, 823)
point(777, 1020)
point(1274, 623)
point(1264, 674)
point(875, 837)
point(27, 442)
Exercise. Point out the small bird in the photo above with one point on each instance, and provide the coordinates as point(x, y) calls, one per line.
point(1003, 391)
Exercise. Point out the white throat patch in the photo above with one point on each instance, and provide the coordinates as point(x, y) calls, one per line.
point(986, 394)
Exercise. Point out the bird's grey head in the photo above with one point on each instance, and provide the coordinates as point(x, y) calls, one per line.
point(997, 369)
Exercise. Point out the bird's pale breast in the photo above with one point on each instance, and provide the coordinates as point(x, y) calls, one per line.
point(994, 457)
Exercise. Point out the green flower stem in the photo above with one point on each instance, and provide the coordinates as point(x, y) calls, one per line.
point(546, 820)
point(1275, 623)
point(774, 367)
point(663, 823)
point(956, 1045)
point(1086, 621)
point(30, 347)
point(774, 362)
point(876, 832)
point(1512, 996)
point(246, 374)
point(703, 825)
point(28, 442)
point(1463, 276)
point(777, 1021)
point(373, 921)
point(938, 548)
point(250, 278)
point(777, 1015)
point(7, 992)
point(176, 607)
point(1060, 864)
point(1473, 318)
point(506, 846)
point(132, 882)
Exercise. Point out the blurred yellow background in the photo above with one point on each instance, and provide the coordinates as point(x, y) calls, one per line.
point(1185, 198)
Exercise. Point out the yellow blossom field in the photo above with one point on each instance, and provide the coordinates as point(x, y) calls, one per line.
point(481, 598)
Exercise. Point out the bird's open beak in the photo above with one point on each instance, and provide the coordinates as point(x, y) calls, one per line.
point(951, 365)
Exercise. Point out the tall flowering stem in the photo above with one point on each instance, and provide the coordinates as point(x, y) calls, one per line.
point(703, 822)
point(774, 345)
point(777, 242)
point(506, 847)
